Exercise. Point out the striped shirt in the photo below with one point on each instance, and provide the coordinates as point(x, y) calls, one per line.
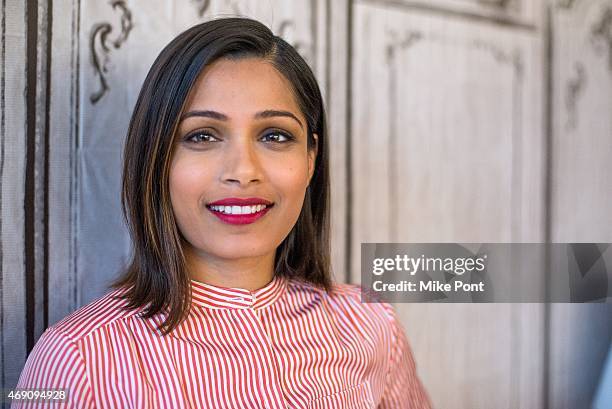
point(286, 345)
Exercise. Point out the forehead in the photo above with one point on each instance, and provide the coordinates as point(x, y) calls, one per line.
point(241, 86)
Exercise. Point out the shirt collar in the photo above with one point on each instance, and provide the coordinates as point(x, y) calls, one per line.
point(212, 296)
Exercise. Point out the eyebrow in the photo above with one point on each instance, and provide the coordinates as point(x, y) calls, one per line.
point(269, 113)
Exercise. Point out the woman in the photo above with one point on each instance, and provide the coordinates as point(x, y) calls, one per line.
point(228, 300)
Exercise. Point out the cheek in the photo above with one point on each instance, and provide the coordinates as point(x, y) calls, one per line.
point(185, 181)
point(292, 182)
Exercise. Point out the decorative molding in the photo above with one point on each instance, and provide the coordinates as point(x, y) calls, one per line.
point(301, 47)
point(99, 46)
point(203, 7)
point(513, 58)
point(499, 4)
point(566, 4)
point(410, 37)
point(498, 12)
point(601, 34)
point(574, 89)
point(395, 44)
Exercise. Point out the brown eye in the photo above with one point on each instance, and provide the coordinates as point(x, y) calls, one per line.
point(277, 137)
point(200, 136)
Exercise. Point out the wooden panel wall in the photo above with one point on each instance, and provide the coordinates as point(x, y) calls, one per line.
point(13, 151)
point(581, 190)
point(447, 146)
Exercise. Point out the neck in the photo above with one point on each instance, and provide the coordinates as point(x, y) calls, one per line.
point(250, 273)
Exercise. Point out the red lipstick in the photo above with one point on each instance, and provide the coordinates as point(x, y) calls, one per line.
point(229, 210)
point(237, 201)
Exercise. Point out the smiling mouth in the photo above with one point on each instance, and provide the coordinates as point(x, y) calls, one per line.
point(239, 210)
point(238, 215)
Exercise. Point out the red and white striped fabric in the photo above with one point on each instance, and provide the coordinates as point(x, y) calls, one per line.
point(286, 345)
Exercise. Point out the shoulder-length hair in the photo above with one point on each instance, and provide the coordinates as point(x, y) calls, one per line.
point(156, 278)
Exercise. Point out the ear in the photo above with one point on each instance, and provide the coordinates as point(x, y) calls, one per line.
point(312, 156)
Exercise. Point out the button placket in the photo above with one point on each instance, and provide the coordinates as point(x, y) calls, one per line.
point(263, 332)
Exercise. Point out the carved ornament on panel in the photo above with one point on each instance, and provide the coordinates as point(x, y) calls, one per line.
point(598, 35)
point(100, 45)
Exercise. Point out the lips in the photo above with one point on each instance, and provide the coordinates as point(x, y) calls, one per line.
point(240, 210)
point(237, 201)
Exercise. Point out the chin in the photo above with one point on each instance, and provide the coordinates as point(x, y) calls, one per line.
point(236, 252)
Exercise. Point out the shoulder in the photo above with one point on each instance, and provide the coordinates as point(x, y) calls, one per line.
point(93, 317)
point(58, 354)
point(56, 362)
point(58, 357)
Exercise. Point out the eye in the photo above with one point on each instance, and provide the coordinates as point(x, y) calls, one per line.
point(277, 136)
point(201, 136)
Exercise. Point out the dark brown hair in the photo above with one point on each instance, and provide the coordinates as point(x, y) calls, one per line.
point(156, 279)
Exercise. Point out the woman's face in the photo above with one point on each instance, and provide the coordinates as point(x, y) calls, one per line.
point(241, 145)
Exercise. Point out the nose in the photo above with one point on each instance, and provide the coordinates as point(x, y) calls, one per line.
point(241, 163)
